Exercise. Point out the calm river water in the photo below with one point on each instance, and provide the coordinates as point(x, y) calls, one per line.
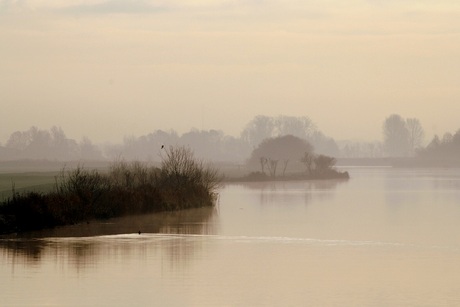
point(386, 237)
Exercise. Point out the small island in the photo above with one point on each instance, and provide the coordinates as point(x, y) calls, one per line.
point(288, 157)
point(81, 195)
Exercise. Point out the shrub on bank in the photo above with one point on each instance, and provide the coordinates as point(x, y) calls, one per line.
point(127, 188)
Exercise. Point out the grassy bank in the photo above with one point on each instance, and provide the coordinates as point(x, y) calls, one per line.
point(81, 195)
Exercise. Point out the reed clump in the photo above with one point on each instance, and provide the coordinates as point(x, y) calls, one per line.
point(80, 195)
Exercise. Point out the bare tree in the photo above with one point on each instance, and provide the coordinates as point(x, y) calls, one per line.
point(257, 130)
point(272, 165)
point(285, 164)
point(18, 140)
point(309, 160)
point(415, 134)
point(88, 150)
point(263, 162)
point(181, 169)
point(396, 136)
point(301, 127)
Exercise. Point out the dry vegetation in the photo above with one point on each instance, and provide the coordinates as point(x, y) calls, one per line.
point(127, 188)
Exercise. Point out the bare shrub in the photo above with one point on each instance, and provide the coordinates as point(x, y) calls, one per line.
point(128, 188)
point(180, 168)
point(134, 174)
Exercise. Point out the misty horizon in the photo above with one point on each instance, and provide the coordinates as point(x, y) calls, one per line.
point(401, 138)
point(122, 137)
point(106, 69)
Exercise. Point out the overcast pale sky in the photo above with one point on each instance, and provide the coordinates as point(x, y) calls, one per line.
point(106, 69)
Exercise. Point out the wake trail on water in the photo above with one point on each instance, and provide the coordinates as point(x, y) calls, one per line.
point(281, 240)
point(238, 239)
point(135, 238)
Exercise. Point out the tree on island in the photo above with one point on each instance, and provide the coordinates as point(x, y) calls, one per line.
point(272, 150)
point(294, 152)
point(323, 164)
point(308, 159)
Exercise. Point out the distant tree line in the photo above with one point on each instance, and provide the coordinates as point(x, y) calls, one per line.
point(50, 144)
point(215, 145)
point(447, 148)
point(208, 145)
point(404, 138)
point(264, 127)
point(361, 149)
point(53, 144)
point(400, 138)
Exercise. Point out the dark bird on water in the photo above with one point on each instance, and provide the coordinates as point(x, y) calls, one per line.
point(162, 146)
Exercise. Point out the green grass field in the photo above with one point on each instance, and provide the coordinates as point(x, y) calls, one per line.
point(29, 181)
point(36, 175)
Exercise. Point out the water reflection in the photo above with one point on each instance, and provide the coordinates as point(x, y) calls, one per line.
point(91, 242)
point(387, 237)
point(421, 205)
point(405, 187)
point(281, 185)
point(292, 192)
point(32, 248)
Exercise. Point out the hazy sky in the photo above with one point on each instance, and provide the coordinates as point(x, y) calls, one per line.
point(106, 69)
